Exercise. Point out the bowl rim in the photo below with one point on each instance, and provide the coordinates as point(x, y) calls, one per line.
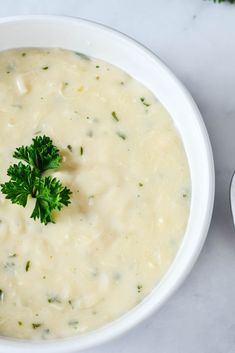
point(122, 324)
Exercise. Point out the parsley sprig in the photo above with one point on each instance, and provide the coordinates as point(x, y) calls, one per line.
point(28, 180)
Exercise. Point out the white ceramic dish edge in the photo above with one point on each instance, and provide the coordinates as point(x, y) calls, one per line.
point(120, 50)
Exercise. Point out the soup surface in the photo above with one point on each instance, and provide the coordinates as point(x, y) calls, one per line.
point(124, 161)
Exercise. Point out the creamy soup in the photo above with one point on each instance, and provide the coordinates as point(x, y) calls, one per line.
point(125, 163)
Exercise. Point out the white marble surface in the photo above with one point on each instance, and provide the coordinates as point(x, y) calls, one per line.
point(196, 38)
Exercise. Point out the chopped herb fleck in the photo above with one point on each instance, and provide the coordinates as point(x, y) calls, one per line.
point(184, 195)
point(70, 302)
point(144, 102)
point(27, 266)
point(12, 255)
point(19, 106)
point(54, 300)
point(81, 151)
point(23, 54)
point(116, 276)
point(114, 115)
point(81, 88)
point(97, 77)
point(90, 133)
point(120, 134)
point(1, 295)
point(82, 56)
point(70, 148)
point(36, 325)
point(122, 83)
point(45, 67)
point(45, 333)
point(20, 323)
point(139, 288)
point(38, 132)
point(9, 265)
point(141, 184)
point(73, 323)
point(97, 66)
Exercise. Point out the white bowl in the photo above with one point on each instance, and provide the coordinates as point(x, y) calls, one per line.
point(114, 47)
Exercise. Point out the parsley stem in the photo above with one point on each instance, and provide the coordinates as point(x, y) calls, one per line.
point(34, 192)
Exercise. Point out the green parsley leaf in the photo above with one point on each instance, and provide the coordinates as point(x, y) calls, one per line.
point(21, 184)
point(41, 154)
point(51, 195)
